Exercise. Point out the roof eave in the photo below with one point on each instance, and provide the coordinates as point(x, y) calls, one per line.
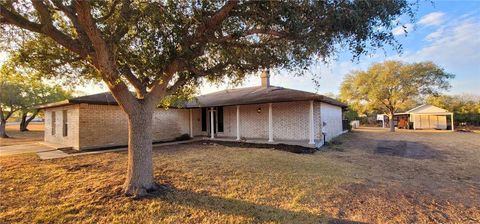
point(56, 104)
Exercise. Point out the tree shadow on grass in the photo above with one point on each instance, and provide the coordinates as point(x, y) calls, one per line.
point(259, 213)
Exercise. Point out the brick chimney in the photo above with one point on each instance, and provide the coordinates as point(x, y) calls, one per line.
point(265, 77)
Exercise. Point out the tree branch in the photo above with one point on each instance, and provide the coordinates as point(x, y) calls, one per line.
point(16, 19)
point(110, 12)
point(122, 28)
point(247, 33)
point(132, 79)
point(159, 86)
point(70, 12)
point(104, 59)
point(173, 88)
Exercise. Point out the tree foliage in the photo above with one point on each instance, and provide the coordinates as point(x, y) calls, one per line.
point(160, 48)
point(20, 92)
point(210, 39)
point(392, 86)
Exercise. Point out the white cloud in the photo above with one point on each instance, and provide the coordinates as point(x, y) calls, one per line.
point(458, 45)
point(403, 29)
point(435, 35)
point(455, 47)
point(432, 19)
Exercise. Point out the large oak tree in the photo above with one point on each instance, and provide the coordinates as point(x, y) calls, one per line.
point(159, 48)
point(393, 85)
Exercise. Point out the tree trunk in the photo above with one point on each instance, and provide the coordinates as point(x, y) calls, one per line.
point(390, 121)
point(3, 133)
point(140, 178)
point(24, 123)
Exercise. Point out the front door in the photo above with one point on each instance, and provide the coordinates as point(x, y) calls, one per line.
point(217, 120)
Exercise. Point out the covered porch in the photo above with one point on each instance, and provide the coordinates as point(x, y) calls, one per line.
point(292, 123)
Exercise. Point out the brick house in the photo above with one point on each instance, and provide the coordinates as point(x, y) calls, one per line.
point(265, 114)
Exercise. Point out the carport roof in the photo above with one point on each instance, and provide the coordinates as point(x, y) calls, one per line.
point(229, 97)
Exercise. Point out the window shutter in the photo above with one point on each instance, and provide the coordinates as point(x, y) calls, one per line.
point(204, 119)
point(220, 119)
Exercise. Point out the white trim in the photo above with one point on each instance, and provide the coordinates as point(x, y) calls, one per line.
point(453, 129)
point(238, 123)
point(270, 123)
point(312, 128)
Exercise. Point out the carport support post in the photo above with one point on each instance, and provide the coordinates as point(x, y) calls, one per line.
point(413, 118)
point(453, 129)
point(191, 123)
point(212, 128)
point(238, 123)
point(311, 142)
point(270, 123)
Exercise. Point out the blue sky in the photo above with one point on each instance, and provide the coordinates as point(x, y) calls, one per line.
point(445, 32)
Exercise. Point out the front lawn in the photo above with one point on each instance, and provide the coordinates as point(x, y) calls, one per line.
point(17, 137)
point(216, 184)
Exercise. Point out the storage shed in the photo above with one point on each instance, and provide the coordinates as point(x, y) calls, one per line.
point(425, 117)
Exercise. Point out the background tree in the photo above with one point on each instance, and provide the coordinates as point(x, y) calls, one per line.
point(11, 90)
point(393, 85)
point(20, 93)
point(159, 48)
point(38, 93)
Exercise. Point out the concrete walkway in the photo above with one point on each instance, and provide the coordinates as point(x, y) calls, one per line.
point(25, 148)
point(56, 154)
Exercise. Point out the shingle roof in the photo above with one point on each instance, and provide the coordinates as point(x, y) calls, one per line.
point(257, 95)
point(105, 98)
point(229, 97)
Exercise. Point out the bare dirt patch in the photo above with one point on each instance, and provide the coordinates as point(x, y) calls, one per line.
point(413, 150)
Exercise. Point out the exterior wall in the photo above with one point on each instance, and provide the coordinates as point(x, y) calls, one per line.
point(92, 126)
point(290, 121)
point(252, 123)
point(197, 122)
point(104, 125)
point(230, 122)
point(332, 116)
point(71, 139)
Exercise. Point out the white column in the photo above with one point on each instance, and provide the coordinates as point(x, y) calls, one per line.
point(383, 121)
point(238, 123)
point(191, 123)
point(212, 128)
point(270, 123)
point(312, 126)
point(414, 122)
point(453, 129)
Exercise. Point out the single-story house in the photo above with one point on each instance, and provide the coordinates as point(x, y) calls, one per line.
point(423, 117)
point(265, 114)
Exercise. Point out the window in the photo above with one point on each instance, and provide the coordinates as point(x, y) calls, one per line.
point(220, 118)
point(204, 119)
point(65, 123)
point(53, 123)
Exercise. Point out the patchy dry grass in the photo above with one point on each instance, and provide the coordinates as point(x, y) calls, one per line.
point(17, 137)
point(218, 184)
